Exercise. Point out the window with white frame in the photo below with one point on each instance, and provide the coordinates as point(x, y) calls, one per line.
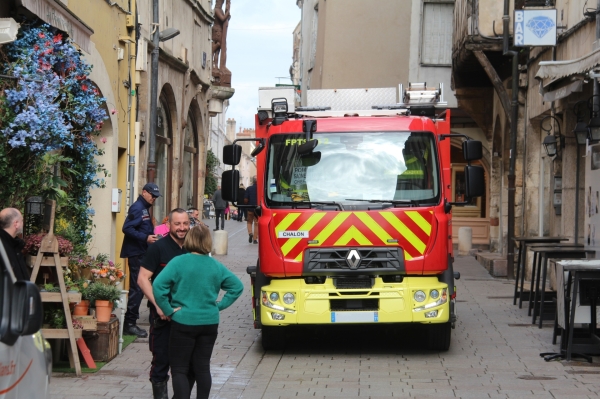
point(436, 43)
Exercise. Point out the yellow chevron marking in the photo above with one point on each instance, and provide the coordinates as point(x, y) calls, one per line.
point(308, 225)
point(407, 256)
point(374, 227)
point(352, 233)
point(404, 231)
point(299, 257)
point(330, 228)
point(420, 221)
point(286, 222)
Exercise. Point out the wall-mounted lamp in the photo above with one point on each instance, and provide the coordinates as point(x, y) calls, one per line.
point(551, 144)
point(594, 124)
point(581, 130)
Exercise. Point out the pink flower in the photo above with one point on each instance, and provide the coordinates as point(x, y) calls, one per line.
point(103, 139)
point(113, 111)
point(112, 278)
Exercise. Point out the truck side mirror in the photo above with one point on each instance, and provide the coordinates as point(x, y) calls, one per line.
point(232, 153)
point(472, 150)
point(474, 181)
point(308, 147)
point(230, 181)
point(26, 315)
point(311, 159)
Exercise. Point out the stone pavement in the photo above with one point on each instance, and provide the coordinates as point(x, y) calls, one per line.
point(494, 353)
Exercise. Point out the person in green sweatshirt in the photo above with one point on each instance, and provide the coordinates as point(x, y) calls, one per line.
point(186, 290)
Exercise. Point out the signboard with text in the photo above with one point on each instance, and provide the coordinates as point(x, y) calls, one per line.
point(535, 27)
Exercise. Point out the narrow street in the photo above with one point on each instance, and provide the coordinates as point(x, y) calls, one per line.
point(494, 353)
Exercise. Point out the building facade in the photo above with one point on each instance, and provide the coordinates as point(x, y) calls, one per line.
point(555, 195)
point(354, 44)
point(116, 38)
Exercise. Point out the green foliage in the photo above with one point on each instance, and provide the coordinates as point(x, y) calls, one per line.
point(210, 182)
point(55, 316)
point(103, 292)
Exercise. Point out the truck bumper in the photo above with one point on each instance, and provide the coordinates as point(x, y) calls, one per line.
point(383, 303)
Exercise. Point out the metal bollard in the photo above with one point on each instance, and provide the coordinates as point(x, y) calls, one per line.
point(465, 240)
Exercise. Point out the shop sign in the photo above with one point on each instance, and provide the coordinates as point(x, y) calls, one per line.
point(535, 27)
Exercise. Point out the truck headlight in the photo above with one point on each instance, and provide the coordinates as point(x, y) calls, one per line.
point(274, 297)
point(434, 294)
point(419, 296)
point(442, 299)
point(265, 300)
point(288, 298)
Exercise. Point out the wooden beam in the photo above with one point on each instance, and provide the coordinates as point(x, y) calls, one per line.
point(495, 79)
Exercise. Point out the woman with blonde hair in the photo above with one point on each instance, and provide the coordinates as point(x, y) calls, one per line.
point(187, 290)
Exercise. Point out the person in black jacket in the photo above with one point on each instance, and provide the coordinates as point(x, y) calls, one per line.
point(11, 225)
point(139, 232)
point(241, 211)
point(251, 199)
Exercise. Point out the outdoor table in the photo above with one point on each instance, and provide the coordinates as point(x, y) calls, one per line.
point(523, 242)
point(545, 253)
point(578, 284)
point(533, 269)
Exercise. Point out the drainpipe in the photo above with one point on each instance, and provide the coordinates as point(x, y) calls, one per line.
point(132, 104)
point(151, 171)
point(513, 142)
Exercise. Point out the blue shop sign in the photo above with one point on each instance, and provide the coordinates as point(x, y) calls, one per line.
point(535, 27)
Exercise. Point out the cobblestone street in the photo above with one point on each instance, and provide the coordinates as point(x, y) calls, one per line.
point(494, 353)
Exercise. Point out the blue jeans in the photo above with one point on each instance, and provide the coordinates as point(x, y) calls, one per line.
point(191, 347)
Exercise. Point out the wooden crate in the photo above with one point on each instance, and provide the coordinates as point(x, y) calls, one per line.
point(104, 342)
point(89, 322)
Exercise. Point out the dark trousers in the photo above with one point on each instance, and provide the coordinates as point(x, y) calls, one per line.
point(220, 213)
point(191, 346)
point(159, 346)
point(241, 214)
point(135, 292)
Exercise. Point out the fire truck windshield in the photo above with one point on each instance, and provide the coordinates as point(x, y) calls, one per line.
point(351, 168)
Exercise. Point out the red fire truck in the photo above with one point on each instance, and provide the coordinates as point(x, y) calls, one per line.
point(354, 209)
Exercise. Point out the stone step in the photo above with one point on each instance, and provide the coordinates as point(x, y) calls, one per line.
point(494, 263)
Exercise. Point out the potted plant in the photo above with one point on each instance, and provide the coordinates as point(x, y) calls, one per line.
point(104, 297)
point(33, 243)
point(106, 271)
point(82, 308)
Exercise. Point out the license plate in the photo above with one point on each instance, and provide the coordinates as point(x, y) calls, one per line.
point(354, 317)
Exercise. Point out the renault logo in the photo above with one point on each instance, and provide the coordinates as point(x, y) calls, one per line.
point(353, 259)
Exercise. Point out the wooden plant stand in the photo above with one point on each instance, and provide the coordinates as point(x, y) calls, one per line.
point(49, 251)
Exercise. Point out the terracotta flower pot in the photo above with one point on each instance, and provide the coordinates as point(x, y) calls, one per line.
point(82, 308)
point(103, 310)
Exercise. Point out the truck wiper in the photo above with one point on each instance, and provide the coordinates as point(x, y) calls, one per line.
point(393, 202)
point(311, 203)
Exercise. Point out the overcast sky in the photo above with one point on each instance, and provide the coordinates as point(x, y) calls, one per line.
point(259, 50)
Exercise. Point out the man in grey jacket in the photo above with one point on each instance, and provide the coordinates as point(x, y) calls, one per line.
point(220, 205)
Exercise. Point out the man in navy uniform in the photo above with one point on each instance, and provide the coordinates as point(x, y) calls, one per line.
point(139, 232)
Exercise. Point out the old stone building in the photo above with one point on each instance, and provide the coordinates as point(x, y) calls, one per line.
point(354, 44)
point(554, 194)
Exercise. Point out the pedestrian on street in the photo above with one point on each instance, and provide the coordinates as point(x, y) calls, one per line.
point(153, 263)
point(139, 232)
point(250, 199)
point(220, 205)
point(241, 195)
point(194, 214)
point(11, 226)
point(187, 291)
point(163, 228)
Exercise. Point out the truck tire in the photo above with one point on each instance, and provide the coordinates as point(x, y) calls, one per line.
point(438, 336)
point(273, 338)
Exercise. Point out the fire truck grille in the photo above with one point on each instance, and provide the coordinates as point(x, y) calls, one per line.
point(351, 261)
